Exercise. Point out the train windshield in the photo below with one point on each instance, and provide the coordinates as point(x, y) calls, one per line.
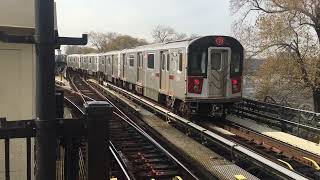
point(235, 65)
point(197, 63)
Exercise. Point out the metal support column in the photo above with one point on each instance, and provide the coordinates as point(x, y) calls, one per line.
point(98, 115)
point(71, 159)
point(45, 91)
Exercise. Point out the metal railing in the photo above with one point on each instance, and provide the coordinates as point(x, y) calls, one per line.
point(82, 144)
point(10, 130)
point(305, 124)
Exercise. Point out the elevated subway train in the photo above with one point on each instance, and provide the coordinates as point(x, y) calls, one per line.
point(195, 76)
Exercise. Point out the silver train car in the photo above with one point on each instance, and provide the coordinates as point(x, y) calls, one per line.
point(108, 66)
point(73, 61)
point(194, 76)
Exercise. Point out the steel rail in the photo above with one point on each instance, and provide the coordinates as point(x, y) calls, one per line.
point(281, 106)
point(296, 124)
point(140, 130)
point(77, 89)
point(112, 149)
point(74, 105)
point(284, 172)
point(122, 165)
point(287, 150)
point(124, 117)
point(275, 109)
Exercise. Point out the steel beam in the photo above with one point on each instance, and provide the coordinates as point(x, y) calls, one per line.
point(45, 91)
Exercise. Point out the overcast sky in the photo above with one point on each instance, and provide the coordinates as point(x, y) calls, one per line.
point(138, 17)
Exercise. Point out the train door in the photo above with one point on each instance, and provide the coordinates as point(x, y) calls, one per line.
point(106, 65)
point(123, 65)
point(112, 62)
point(140, 67)
point(164, 71)
point(217, 71)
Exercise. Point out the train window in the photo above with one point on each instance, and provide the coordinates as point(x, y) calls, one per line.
point(124, 59)
point(216, 59)
point(109, 60)
point(116, 60)
point(151, 61)
point(138, 60)
point(163, 61)
point(141, 59)
point(131, 60)
point(197, 63)
point(168, 62)
point(235, 64)
point(180, 61)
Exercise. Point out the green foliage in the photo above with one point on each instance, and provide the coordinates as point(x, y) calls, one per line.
point(79, 50)
point(123, 42)
point(110, 41)
point(103, 42)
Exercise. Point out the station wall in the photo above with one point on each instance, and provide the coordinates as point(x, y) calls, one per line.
point(17, 100)
point(17, 79)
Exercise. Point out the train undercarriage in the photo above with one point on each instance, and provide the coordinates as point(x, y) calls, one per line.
point(187, 109)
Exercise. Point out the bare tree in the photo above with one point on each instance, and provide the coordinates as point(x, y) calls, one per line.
point(192, 36)
point(163, 33)
point(285, 26)
point(180, 36)
point(109, 41)
point(79, 50)
point(99, 39)
point(123, 42)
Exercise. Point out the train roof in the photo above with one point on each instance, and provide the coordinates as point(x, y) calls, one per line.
point(75, 55)
point(172, 45)
point(164, 45)
point(110, 53)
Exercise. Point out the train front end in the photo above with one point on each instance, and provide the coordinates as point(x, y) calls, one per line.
point(214, 74)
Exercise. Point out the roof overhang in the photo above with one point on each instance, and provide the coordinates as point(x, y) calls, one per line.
point(18, 17)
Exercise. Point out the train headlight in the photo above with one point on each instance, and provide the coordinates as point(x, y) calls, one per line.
point(236, 85)
point(195, 84)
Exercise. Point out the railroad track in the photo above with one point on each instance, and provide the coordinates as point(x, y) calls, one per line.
point(140, 155)
point(277, 168)
point(289, 156)
point(301, 123)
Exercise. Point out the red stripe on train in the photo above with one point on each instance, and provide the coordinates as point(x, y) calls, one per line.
point(171, 77)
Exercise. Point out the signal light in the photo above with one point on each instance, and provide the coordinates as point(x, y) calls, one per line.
point(236, 85)
point(234, 81)
point(196, 82)
point(195, 85)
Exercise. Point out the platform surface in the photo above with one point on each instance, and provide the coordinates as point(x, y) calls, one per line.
point(276, 134)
